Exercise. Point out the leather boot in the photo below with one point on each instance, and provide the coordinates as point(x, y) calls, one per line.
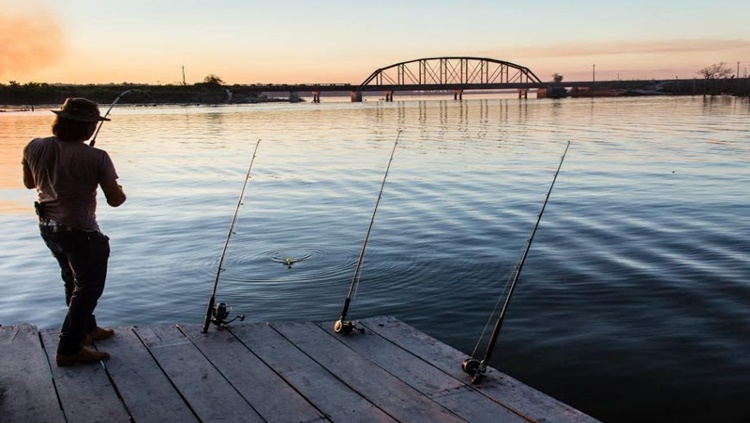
point(83, 356)
point(98, 334)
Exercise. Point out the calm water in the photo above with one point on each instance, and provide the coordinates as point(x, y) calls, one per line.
point(633, 305)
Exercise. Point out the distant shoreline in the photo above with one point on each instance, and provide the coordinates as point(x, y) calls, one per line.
point(43, 94)
point(24, 97)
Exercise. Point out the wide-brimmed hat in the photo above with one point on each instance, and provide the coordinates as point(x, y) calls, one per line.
point(80, 109)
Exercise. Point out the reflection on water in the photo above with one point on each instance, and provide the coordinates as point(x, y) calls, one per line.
point(632, 302)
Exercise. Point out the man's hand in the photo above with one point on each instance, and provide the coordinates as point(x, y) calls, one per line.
point(114, 193)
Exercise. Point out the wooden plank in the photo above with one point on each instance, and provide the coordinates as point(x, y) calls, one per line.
point(27, 393)
point(383, 389)
point(147, 392)
point(85, 391)
point(522, 399)
point(336, 400)
point(422, 376)
point(442, 388)
point(269, 394)
point(198, 381)
point(476, 408)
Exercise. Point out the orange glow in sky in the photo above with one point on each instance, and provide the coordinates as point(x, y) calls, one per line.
point(298, 41)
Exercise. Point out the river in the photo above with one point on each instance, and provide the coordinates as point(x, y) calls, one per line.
point(633, 304)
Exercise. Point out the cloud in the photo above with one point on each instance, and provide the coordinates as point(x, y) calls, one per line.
point(28, 41)
point(630, 48)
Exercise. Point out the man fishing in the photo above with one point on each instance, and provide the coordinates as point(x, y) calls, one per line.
point(66, 172)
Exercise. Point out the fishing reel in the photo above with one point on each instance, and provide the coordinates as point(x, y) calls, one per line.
point(220, 314)
point(474, 368)
point(346, 327)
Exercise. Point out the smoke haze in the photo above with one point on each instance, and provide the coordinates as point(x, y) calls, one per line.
point(29, 40)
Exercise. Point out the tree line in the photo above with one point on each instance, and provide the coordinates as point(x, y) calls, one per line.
point(211, 91)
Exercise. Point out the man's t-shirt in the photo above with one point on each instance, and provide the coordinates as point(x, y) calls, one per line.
point(67, 175)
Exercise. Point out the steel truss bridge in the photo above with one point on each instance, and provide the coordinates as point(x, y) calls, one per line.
point(448, 73)
point(433, 74)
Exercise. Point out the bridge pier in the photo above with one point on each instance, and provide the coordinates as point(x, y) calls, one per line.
point(389, 95)
point(356, 96)
point(523, 93)
point(458, 94)
point(316, 96)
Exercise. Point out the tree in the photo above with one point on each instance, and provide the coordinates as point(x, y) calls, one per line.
point(212, 79)
point(557, 78)
point(716, 71)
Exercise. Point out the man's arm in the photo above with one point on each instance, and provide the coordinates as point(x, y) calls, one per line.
point(114, 193)
point(28, 177)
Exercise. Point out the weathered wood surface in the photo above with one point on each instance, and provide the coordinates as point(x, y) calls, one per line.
point(85, 391)
point(522, 399)
point(259, 384)
point(256, 372)
point(330, 395)
point(446, 390)
point(27, 393)
point(147, 391)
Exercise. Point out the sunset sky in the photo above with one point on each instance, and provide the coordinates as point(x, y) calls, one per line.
point(337, 41)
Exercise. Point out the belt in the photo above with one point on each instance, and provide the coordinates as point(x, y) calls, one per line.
point(53, 225)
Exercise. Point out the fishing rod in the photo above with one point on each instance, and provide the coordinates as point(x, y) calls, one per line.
point(472, 366)
point(345, 327)
point(122, 94)
point(218, 313)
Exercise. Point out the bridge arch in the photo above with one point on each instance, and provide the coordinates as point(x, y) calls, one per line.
point(449, 73)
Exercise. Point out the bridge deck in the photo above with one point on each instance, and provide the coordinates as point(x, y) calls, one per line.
point(281, 372)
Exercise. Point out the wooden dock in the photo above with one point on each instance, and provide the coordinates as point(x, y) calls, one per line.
point(261, 372)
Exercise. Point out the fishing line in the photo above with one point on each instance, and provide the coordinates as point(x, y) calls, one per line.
point(346, 327)
point(472, 366)
point(492, 314)
point(217, 313)
point(122, 94)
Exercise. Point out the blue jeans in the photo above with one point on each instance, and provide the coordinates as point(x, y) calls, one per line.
point(83, 258)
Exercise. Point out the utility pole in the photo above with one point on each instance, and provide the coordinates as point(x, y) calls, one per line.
point(738, 70)
point(593, 73)
point(183, 75)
